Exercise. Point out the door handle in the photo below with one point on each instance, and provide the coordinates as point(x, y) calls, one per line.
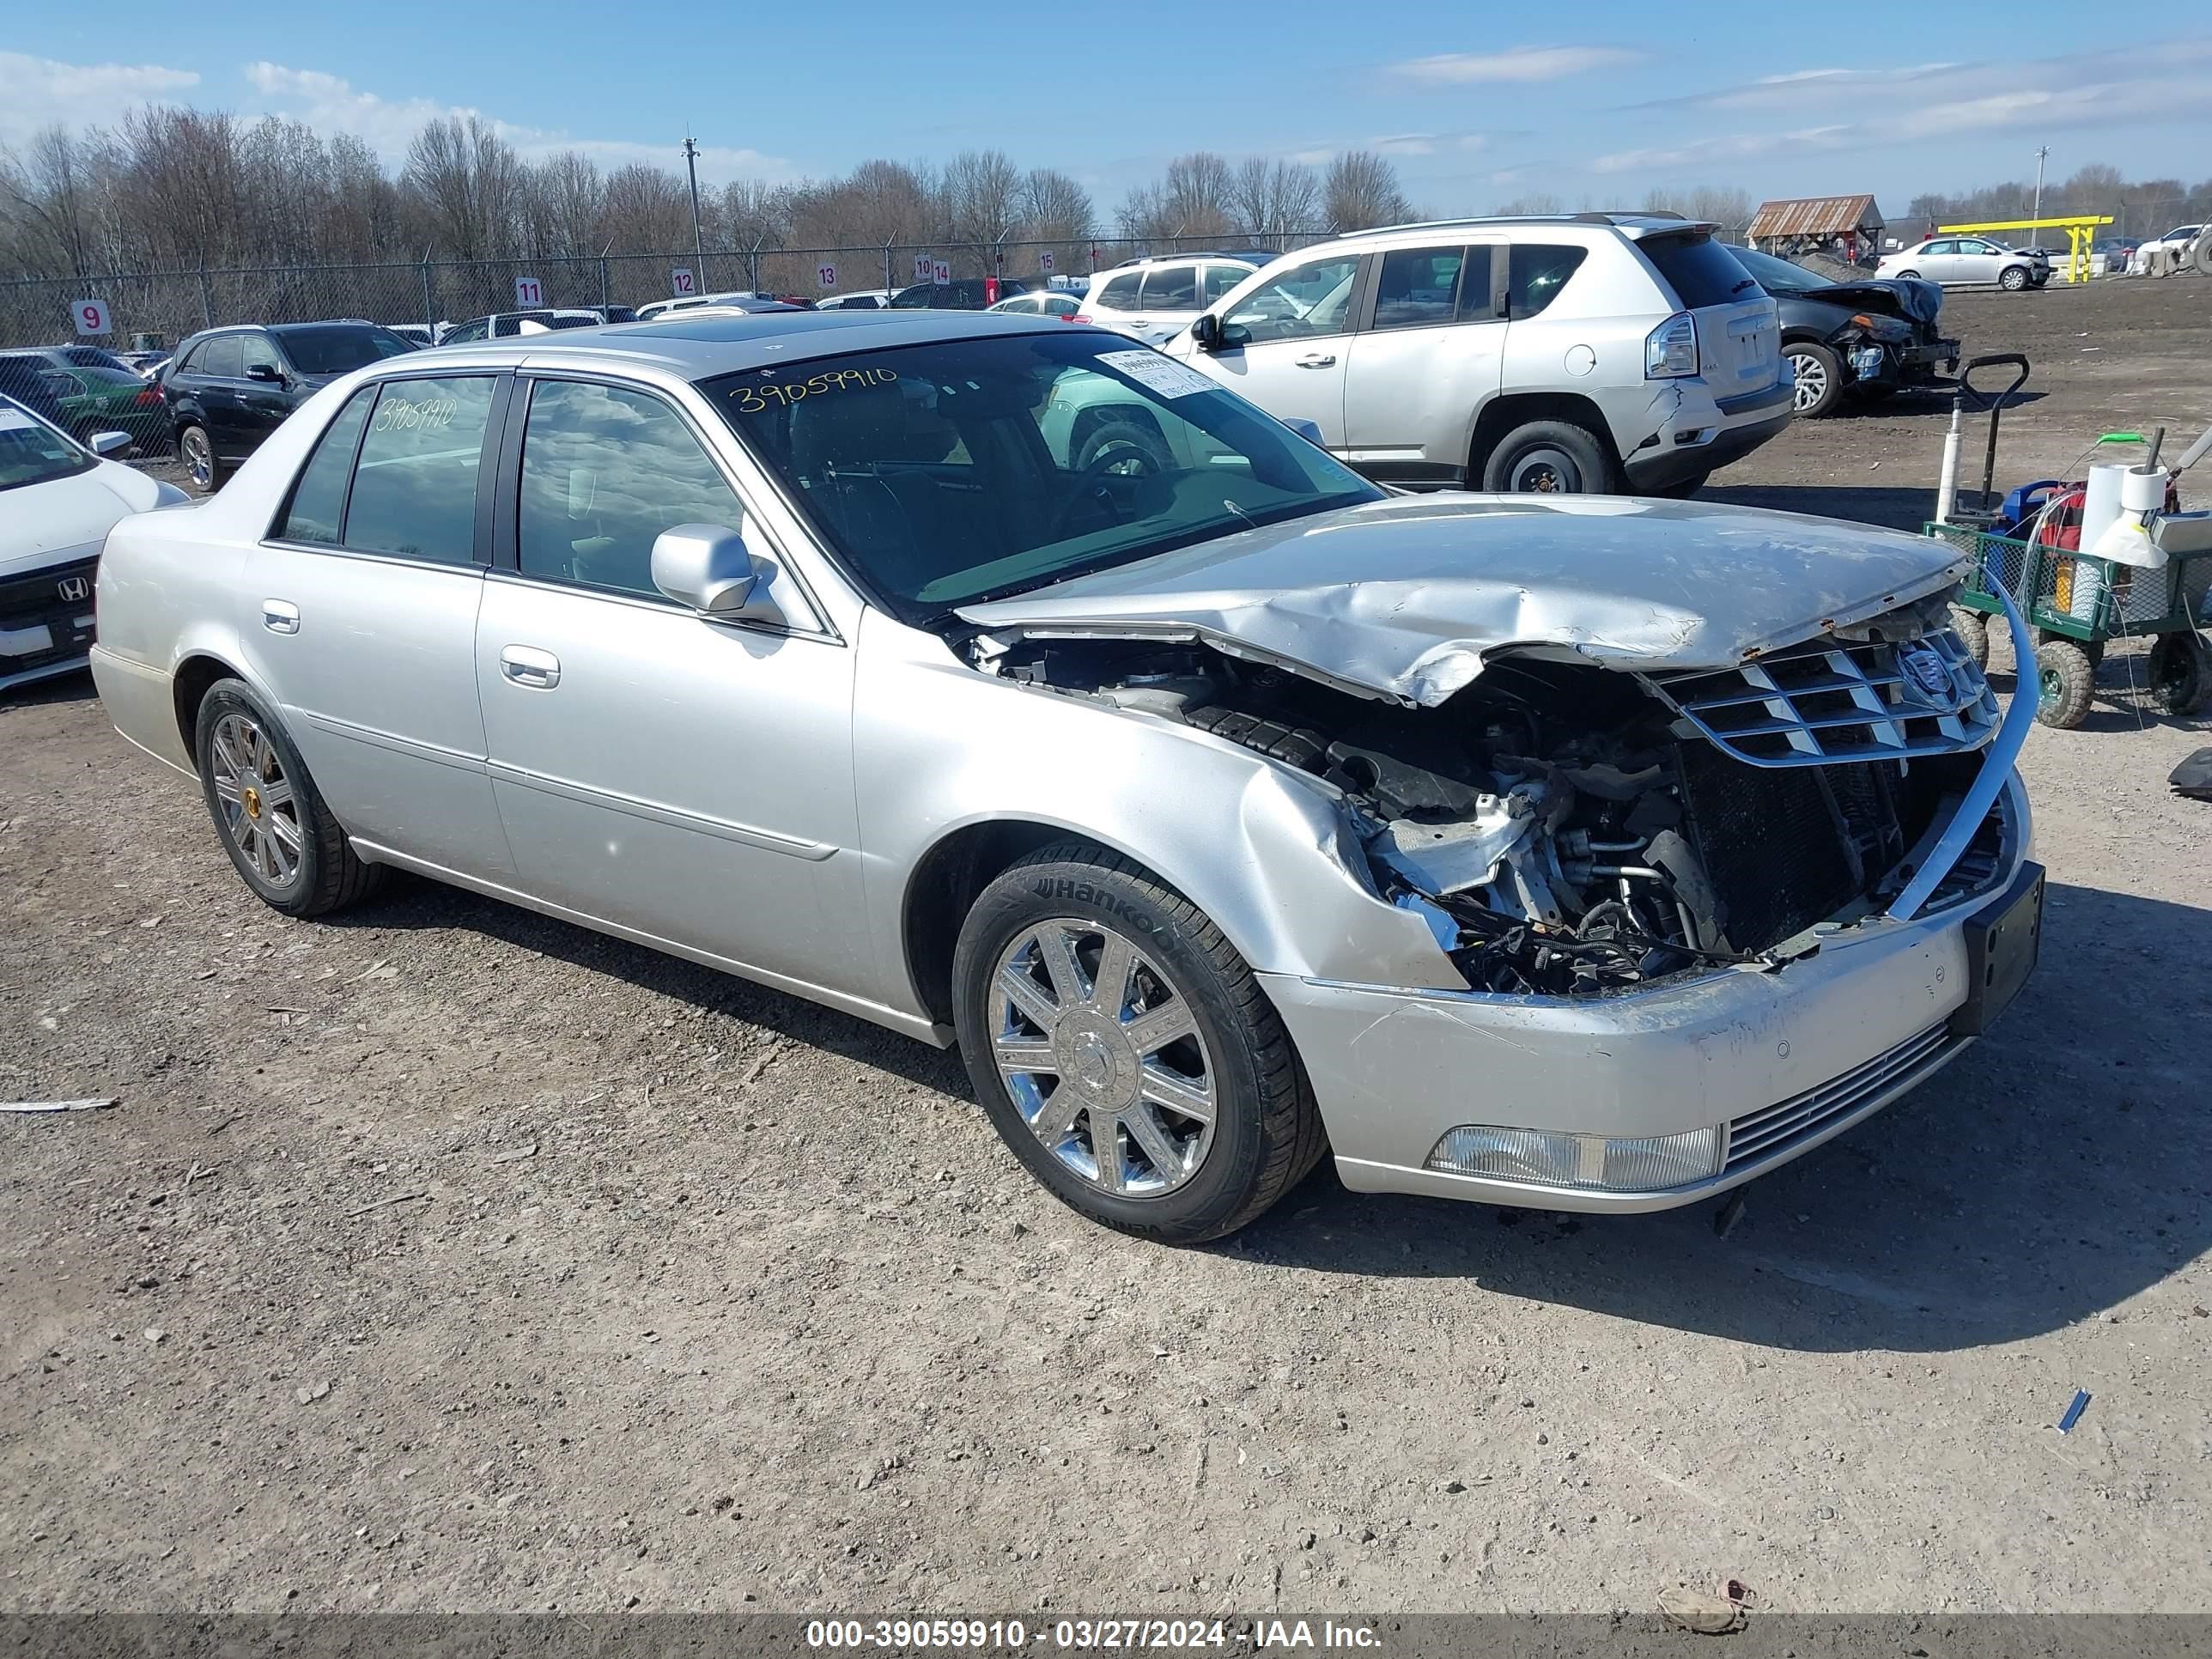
point(524, 665)
point(1316, 360)
point(280, 616)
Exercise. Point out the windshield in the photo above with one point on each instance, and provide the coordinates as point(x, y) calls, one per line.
point(338, 351)
point(966, 469)
point(31, 452)
point(1776, 275)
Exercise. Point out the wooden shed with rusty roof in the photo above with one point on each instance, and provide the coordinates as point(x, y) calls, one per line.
point(1816, 224)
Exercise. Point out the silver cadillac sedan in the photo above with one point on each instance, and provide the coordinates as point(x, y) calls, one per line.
point(1010, 685)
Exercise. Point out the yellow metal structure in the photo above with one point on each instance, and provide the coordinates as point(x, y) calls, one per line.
point(2081, 230)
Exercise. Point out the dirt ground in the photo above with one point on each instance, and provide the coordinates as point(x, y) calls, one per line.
point(443, 1256)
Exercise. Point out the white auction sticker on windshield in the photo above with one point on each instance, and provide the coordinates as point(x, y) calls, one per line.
point(14, 420)
point(1162, 374)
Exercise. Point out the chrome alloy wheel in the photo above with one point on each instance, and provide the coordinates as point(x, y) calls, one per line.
point(1812, 381)
point(199, 457)
point(259, 813)
point(1102, 1057)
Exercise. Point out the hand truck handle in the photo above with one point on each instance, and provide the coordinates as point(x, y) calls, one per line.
point(1982, 398)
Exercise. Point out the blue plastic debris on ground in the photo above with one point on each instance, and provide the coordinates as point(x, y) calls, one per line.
point(2074, 1412)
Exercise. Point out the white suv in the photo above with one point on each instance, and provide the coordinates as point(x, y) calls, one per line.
point(1153, 298)
point(1577, 352)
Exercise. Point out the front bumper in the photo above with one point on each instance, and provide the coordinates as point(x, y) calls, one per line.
point(1778, 1061)
point(43, 631)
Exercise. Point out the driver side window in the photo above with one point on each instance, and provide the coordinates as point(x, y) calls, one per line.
point(1309, 300)
point(604, 471)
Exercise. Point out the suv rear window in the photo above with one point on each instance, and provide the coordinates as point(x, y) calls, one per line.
point(1699, 271)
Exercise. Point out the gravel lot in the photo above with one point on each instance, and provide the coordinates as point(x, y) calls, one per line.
point(443, 1256)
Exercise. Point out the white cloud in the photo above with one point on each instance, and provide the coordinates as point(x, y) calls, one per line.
point(41, 92)
point(1522, 63)
point(1406, 144)
point(331, 104)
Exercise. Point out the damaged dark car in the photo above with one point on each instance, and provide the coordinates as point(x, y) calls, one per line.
point(1863, 339)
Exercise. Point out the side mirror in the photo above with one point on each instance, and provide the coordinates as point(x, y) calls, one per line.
point(105, 444)
point(264, 372)
point(708, 567)
point(1205, 332)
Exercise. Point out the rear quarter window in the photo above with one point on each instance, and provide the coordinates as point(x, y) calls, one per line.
point(1120, 294)
point(1700, 270)
point(1537, 273)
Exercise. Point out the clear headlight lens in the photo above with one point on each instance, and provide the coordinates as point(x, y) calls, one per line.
point(1549, 1158)
point(1670, 350)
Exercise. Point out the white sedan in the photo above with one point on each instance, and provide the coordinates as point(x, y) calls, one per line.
point(57, 501)
point(1954, 261)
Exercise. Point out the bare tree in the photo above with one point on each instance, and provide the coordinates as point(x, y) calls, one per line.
point(44, 198)
point(467, 179)
point(563, 206)
point(982, 195)
point(1275, 197)
point(1535, 200)
point(1362, 190)
point(1199, 195)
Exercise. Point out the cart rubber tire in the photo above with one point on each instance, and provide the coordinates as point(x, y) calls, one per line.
point(1974, 630)
point(2180, 673)
point(1267, 1135)
point(2093, 649)
point(2066, 684)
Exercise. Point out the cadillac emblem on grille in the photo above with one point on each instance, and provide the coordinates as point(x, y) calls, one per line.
point(74, 590)
point(1926, 669)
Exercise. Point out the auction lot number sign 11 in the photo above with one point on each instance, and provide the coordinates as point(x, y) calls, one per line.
point(528, 291)
point(90, 316)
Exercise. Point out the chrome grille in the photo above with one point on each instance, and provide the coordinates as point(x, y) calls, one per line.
point(1775, 1128)
point(1837, 700)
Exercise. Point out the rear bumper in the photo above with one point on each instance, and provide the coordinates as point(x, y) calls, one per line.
point(141, 703)
point(1700, 434)
point(1772, 1063)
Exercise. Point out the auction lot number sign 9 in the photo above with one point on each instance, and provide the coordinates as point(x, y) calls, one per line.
point(90, 316)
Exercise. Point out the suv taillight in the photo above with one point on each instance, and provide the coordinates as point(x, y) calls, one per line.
point(1670, 350)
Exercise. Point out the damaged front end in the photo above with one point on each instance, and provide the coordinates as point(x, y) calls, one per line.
point(1573, 830)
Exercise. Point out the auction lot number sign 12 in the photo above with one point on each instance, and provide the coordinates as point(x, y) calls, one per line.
point(90, 316)
point(682, 284)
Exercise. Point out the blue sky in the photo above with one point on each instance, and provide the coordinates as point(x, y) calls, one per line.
point(1596, 102)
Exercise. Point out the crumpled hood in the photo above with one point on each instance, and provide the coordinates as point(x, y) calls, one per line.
point(1406, 598)
point(1909, 297)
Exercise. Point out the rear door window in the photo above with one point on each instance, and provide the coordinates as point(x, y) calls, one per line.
point(415, 487)
point(1538, 272)
point(318, 503)
point(1418, 286)
point(1171, 288)
point(223, 357)
point(1699, 271)
point(1121, 292)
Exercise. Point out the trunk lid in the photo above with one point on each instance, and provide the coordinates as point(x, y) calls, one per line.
point(1408, 599)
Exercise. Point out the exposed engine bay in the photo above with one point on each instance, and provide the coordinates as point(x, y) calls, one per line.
point(1568, 829)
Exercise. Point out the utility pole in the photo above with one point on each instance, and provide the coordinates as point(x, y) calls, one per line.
point(698, 238)
point(2041, 150)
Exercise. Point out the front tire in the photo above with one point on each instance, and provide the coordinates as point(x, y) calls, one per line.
point(268, 814)
point(1820, 376)
point(2012, 278)
point(1549, 458)
point(1124, 1051)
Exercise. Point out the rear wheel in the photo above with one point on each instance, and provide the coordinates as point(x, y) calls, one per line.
point(197, 450)
point(1125, 1052)
point(2180, 673)
point(1820, 375)
point(267, 812)
point(1548, 457)
point(1908, 276)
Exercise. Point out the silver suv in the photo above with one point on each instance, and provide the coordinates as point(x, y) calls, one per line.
point(1156, 296)
point(1583, 352)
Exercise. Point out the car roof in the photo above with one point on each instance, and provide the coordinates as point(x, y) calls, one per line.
point(700, 348)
